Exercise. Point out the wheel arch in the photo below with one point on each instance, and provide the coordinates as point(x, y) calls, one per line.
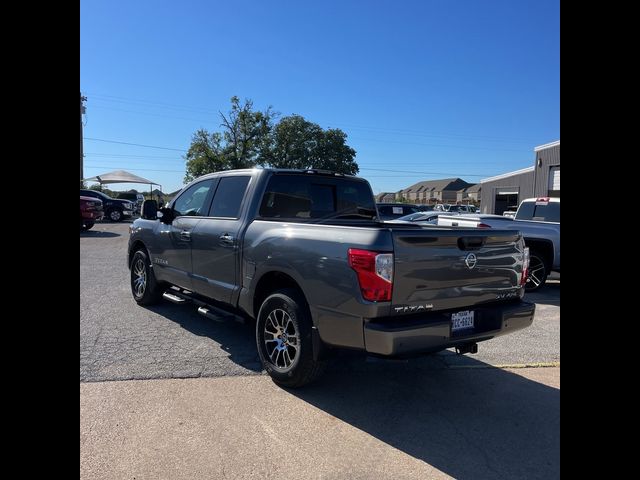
point(270, 282)
point(137, 245)
point(544, 248)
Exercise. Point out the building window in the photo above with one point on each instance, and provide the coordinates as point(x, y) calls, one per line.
point(554, 182)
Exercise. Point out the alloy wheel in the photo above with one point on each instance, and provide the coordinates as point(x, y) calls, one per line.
point(140, 279)
point(281, 339)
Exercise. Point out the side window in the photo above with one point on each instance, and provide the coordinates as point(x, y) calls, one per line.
point(192, 201)
point(229, 195)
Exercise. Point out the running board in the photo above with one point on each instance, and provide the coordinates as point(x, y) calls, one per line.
point(207, 312)
point(173, 298)
point(213, 313)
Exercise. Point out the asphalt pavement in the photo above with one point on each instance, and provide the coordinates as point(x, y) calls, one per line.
point(120, 340)
point(168, 393)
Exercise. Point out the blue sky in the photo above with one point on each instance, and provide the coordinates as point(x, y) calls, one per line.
point(424, 89)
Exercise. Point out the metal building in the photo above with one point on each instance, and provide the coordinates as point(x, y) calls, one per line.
point(547, 170)
point(506, 191)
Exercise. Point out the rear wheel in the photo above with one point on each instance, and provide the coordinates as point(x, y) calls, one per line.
point(283, 336)
point(538, 272)
point(88, 225)
point(144, 286)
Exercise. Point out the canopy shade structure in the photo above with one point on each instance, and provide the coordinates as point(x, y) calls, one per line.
point(120, 176)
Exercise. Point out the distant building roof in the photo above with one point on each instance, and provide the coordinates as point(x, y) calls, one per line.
point(380, 196)
point(438, 185)
point(475, 188)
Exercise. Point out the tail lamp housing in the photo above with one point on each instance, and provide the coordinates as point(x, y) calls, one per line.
point(375, 273)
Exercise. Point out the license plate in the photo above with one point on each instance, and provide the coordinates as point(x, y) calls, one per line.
point(461, 320)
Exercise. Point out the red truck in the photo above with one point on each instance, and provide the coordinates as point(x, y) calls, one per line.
point(90, 212)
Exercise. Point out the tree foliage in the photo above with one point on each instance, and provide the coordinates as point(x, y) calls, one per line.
point(250, 138)
point(246, 133)
point(205, 155)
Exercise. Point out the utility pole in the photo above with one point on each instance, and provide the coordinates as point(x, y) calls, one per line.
point(82, 110)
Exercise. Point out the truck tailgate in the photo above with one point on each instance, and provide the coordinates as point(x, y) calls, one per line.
point(440, 268)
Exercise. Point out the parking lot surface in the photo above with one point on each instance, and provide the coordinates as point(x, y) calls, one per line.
point(166, 393)
point(120, 340)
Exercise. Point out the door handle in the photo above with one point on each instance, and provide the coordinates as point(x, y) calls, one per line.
point(185, 235)
point(226, 239)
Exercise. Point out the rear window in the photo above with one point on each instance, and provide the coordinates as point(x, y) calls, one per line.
point(229, 196)
point(306, 197)
point(544, 213)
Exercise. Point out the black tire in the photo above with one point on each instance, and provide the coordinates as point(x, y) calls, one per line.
point(538, 271)
point(284, 322)
point(115, 215)
point(88, 225)
point(144, 287)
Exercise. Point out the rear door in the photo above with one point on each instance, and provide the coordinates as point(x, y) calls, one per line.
point(215, 241)
point(440, 268)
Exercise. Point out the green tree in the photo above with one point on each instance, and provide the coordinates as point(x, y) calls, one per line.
point(299, 143)
point(333, 153)
point(205, 155)
point(246, 134)
point(294, 143)
point(249, 138)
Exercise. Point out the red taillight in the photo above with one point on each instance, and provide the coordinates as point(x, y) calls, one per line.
point(375, 273)
point(525, 266)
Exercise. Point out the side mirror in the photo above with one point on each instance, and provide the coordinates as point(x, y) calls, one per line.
point(149, 210)
point(165, 215)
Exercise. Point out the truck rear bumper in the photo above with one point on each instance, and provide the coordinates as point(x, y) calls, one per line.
point(398, 335)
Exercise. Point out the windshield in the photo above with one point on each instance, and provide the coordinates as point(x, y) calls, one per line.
point(416, 217)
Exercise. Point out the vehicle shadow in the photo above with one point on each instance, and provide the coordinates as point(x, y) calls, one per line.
point(235, 338)
point(470, 422)
point(549, 294)
point(108, 221)
point(98, 234)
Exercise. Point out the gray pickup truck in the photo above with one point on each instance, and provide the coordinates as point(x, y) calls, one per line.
point(304, 254)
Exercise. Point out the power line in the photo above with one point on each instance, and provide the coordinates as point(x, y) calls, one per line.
point(111, 98)
point(152, 114)
point(444, 146)
point(408, 172)
point(134, 144)
point(426, 173)
point(137, 169)
point(131, 156)
point(117, 99)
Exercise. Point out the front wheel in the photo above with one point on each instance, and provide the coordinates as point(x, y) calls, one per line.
point(538, 272)
point(115, 215)
point(283, 337)
point(144, 286)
